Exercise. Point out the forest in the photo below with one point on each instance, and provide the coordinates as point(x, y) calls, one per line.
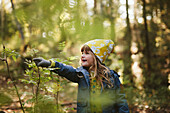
point(56, 29)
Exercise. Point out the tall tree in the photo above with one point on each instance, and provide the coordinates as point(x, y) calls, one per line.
point(2, 20)
point(147, 47)
point(17, 23)
point(127, 52)
point(112, 19)
point(98, 19)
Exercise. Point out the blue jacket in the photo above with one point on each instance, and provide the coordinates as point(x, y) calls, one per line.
point(115, 101)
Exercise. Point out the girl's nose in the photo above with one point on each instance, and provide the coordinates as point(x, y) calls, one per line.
point(83, 55)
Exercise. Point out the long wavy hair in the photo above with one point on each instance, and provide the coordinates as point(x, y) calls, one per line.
point(101, 72)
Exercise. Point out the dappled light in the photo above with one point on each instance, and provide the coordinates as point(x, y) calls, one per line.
point(57, 29)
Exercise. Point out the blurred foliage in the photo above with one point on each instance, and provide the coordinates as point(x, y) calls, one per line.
point(57, 29)
point(5, 99)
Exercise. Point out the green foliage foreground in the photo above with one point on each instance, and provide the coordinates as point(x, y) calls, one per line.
point(44, 96)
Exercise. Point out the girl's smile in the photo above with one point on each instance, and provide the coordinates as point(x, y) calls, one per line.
point(87, 59)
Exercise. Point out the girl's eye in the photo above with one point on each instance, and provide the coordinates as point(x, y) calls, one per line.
point(84, 52)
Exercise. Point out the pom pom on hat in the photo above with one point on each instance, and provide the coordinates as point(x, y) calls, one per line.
point(101, 48)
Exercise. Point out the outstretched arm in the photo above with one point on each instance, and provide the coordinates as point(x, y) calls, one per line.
point(63, 70)
point(66, 71)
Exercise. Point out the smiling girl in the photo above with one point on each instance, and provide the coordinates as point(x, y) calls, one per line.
point(98, 86)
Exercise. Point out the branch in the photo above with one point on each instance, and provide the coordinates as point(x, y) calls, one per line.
point(16, 89)
point(2, 59)
point(17, 22)
point(38, 85)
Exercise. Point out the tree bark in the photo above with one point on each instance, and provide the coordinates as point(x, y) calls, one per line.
point(98, 19)
point(127, 52)
point(147, 47)
point(127, 18)
point(112, 20)
point(17, 23)
point(2, 20)
point(95, 7)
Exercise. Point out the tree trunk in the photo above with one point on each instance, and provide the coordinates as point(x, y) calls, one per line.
point(147, 47)
point(127, 59)
point(2, 20)
point(17, 23)
point(112, 20)
point(95, 7)
point(127, 19)
point(98, 19)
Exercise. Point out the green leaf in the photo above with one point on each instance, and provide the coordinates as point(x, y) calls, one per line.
point(9, 82)
point(14, 58)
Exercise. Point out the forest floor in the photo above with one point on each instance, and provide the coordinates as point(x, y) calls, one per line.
point(10, 103)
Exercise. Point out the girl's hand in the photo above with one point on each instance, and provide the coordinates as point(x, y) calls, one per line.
point(40, 62)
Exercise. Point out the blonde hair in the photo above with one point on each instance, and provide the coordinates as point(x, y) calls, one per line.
point(100, 71)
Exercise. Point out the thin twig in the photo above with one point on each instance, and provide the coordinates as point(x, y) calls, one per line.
point(57, 101)
point(38, 85)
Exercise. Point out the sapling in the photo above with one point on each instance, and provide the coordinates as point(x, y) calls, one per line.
point(7, 53)
point(43, 80)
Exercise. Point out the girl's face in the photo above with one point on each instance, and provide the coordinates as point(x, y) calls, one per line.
point(87, 59)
